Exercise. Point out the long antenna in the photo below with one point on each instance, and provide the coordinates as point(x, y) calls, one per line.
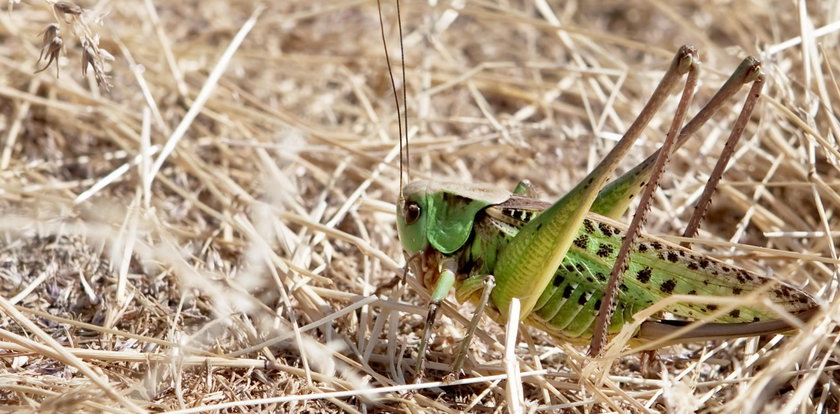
point(405, 97)
point(403, 155)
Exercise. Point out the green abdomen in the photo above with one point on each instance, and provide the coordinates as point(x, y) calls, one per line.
point(567, 307)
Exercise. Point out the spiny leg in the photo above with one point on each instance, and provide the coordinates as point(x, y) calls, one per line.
point(728, 149)
point(599, 336)
point(527, 264)
point(488, 283)
point(616, 196)
point(748, 71)
point(440, 291)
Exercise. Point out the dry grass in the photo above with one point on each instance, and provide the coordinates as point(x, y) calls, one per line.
point(207, 235)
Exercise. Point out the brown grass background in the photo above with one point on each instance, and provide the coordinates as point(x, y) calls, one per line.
point(239, 276)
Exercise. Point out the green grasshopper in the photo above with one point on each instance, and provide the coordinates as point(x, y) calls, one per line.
point(569, 264)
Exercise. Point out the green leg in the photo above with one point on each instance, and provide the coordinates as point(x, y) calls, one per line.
point(751, 73)
point(487, 286)
point(617, 195)
point(440, 291)
point(525, 188)
point(599, 333)
point(527, 264)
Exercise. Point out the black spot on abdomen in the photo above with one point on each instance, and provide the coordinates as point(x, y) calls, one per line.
point(644, 275)
point(668, 286)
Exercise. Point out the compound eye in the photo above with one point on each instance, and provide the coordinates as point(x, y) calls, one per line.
point(412, 212)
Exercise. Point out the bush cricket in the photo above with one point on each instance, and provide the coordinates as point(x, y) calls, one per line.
point(579, 274)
